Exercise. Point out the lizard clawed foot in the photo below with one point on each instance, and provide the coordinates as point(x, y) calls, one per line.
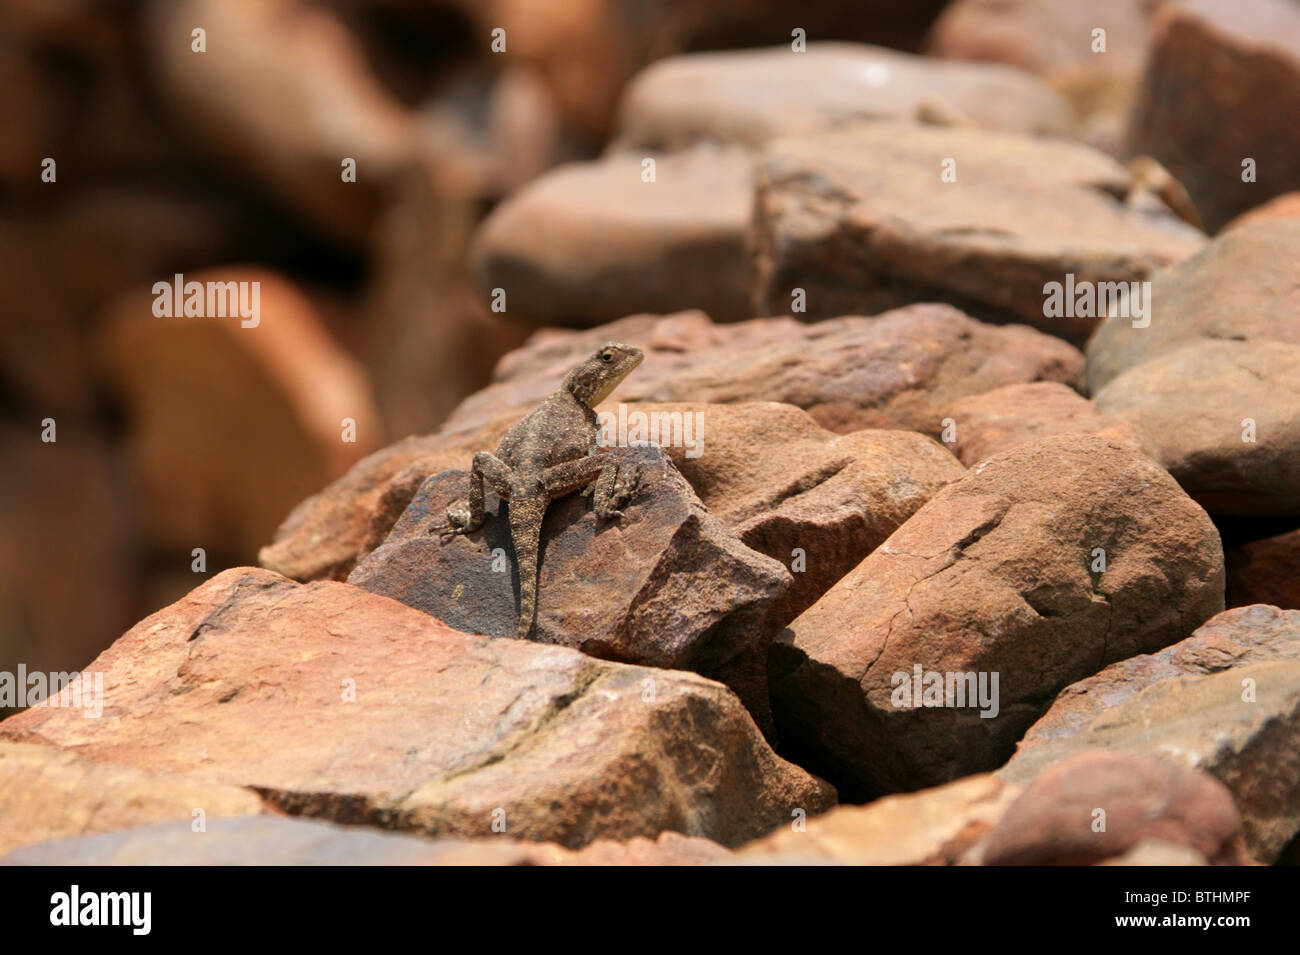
point(459, 521)
point(625, 488)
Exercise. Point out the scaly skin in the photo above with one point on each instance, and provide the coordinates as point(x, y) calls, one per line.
point(550, 453)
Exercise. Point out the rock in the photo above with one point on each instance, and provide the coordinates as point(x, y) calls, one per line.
point(1208, 723)
point(751, 96)
point(1235, 638)
point(1285, 206)
point(997, 577)
point(1240, 287)
point(231, 425)
point(665, 585)
point(1265, 571)
point(346, 706)
point(592, 242)
point(816, 501)
point(1151, 852)
point(1056, 820)
point(861, 220)
point(932, 827)
point(65, 549)
point(901, 369)
point(284, 93)
point(1233, 440)
point(279, 840)
point(46, 793)
point(1222, 85)
point(1054, 39)
point(998, 420)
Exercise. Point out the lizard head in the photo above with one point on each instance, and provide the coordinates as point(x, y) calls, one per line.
point(593, 380)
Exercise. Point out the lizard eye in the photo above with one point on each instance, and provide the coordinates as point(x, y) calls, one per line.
point(606, 357)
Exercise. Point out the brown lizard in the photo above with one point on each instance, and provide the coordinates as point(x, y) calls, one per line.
point(553, 451)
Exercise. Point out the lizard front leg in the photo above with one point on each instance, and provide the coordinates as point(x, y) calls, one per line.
point(615, 486)
point(467, 517)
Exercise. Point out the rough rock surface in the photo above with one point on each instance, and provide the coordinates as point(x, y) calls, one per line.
point(1000, 419)
point(1235, 638)
point(1240, 287)
point(1241, 725)
point(1000, 573)
point(665, 585)
point(1222, 85)
point(1223, 417)
point(863, 220)
point(592, 242)
point(48, 793)
point(751, 96)
point(1285, 207)
point(1055, 821)
point(936, 826)
point(901, 369)
point(335, 703)
point(1266, 571)
point(277, 840)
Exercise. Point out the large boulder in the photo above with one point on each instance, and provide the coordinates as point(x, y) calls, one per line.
point(336, 703)
point(751, 96)
point(1223, 417)
point(886, 214)
point(1240, 287)
point(1222, 86)
point(1035, 569)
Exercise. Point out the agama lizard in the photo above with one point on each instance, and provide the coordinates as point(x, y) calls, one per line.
point(552, 452)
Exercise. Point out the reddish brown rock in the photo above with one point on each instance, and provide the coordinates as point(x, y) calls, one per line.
point(343, 705)
point(1240, 287)
point(284, 93)
point(1223, 417)
point(862, 220)
point(1056, 820)
point(932, 827)
point(999, 576)
point(1286, 206)
point(665, 585)
point(1222, 85)
point(47, 793)
point(1265, 571)
point(1241, 725)
point(751, 96)
point(591, 242)
point(901, 369)
point(998, 420)
point(230, 425)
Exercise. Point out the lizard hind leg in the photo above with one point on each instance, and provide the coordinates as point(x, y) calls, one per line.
point(468, 517)
point(526, 513)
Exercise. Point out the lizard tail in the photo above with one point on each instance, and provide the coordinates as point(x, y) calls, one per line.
point(526, 531)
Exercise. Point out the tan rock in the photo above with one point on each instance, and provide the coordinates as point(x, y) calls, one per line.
point(1003, 418)
point(347, 706)
point(1223, 417)
point(751, 96)
point(1240, 287)
point(591, 242)
point(47, 793)
point(862, 220)
point(999, 577)
point(1222, 85)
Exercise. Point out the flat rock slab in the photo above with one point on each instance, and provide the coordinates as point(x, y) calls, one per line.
point(665, 585)
point(1222, 85)
point(281, 840)
point(1241, 725)
point(336, 703)
point(998, 576)
point(591, 242)
point(1142, 799)
point(1223, 417)
point(861, 220)
point(48, 793)
point(1241, 287)
point(751, 96)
